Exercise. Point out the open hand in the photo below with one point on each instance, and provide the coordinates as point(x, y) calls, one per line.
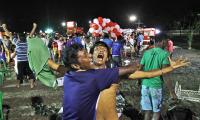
point(34, 25)
point(135, 64)
point(180, 62)
point(4, 25)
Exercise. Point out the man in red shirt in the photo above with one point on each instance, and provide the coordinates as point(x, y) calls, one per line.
point(170, 47)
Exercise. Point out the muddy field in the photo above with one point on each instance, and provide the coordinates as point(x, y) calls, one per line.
point(20, 100)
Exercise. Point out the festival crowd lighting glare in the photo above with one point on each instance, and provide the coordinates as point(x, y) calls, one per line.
point(157, 31)
point(48, 30)
point(132, 18)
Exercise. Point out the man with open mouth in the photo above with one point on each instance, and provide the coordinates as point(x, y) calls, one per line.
point(106, 104)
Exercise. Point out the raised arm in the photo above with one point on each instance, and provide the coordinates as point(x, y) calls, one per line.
point(128, 69)
point(52, 64)
point(6, 30)
point(150, 74)
point(2, 49)
point(33, 29)
point(57, 67)
point(153, 73)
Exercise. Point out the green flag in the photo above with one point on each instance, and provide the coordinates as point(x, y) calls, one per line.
point(38, 56)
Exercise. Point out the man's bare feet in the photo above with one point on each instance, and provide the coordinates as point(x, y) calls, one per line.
point(32, 83)
point(18, 85)
point(32, 86)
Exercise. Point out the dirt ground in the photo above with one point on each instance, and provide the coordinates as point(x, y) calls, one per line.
point(20, 100)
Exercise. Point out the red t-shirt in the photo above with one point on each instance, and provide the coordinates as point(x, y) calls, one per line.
point(170, 46)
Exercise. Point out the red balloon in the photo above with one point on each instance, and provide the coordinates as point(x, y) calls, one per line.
point(110, 24)
point(96, 27)
point(95, 34)
point(113, 24)
point(100, 19)
point(107, 25)
point(118, 33)
point(115, 30)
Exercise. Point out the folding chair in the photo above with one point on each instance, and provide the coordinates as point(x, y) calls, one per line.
point(3, 71)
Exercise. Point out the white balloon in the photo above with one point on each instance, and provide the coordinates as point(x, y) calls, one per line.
point(104, 24)
point(104, 20)
point(96, 31)
point(117, 27)
point(100, 28)
point(107, 29)
point(96, 21)
point(99, 31)
point(91, 30)
point(120, 30)
point(107, 20)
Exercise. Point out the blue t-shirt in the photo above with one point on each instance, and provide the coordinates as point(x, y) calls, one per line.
point(108, 42)
point(140, 38)
point(116, 48)
point(75, 40)
point(81, 91)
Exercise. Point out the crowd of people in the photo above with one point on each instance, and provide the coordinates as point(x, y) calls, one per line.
point(92, 68)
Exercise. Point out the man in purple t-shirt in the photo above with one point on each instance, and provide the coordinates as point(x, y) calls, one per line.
point(82, 84)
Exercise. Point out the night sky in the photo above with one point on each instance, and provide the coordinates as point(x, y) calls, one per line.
point(153, 13)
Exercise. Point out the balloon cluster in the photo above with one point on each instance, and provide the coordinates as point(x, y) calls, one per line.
point(104, 25)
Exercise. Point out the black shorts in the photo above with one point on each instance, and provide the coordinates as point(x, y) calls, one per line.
point(24, 70)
